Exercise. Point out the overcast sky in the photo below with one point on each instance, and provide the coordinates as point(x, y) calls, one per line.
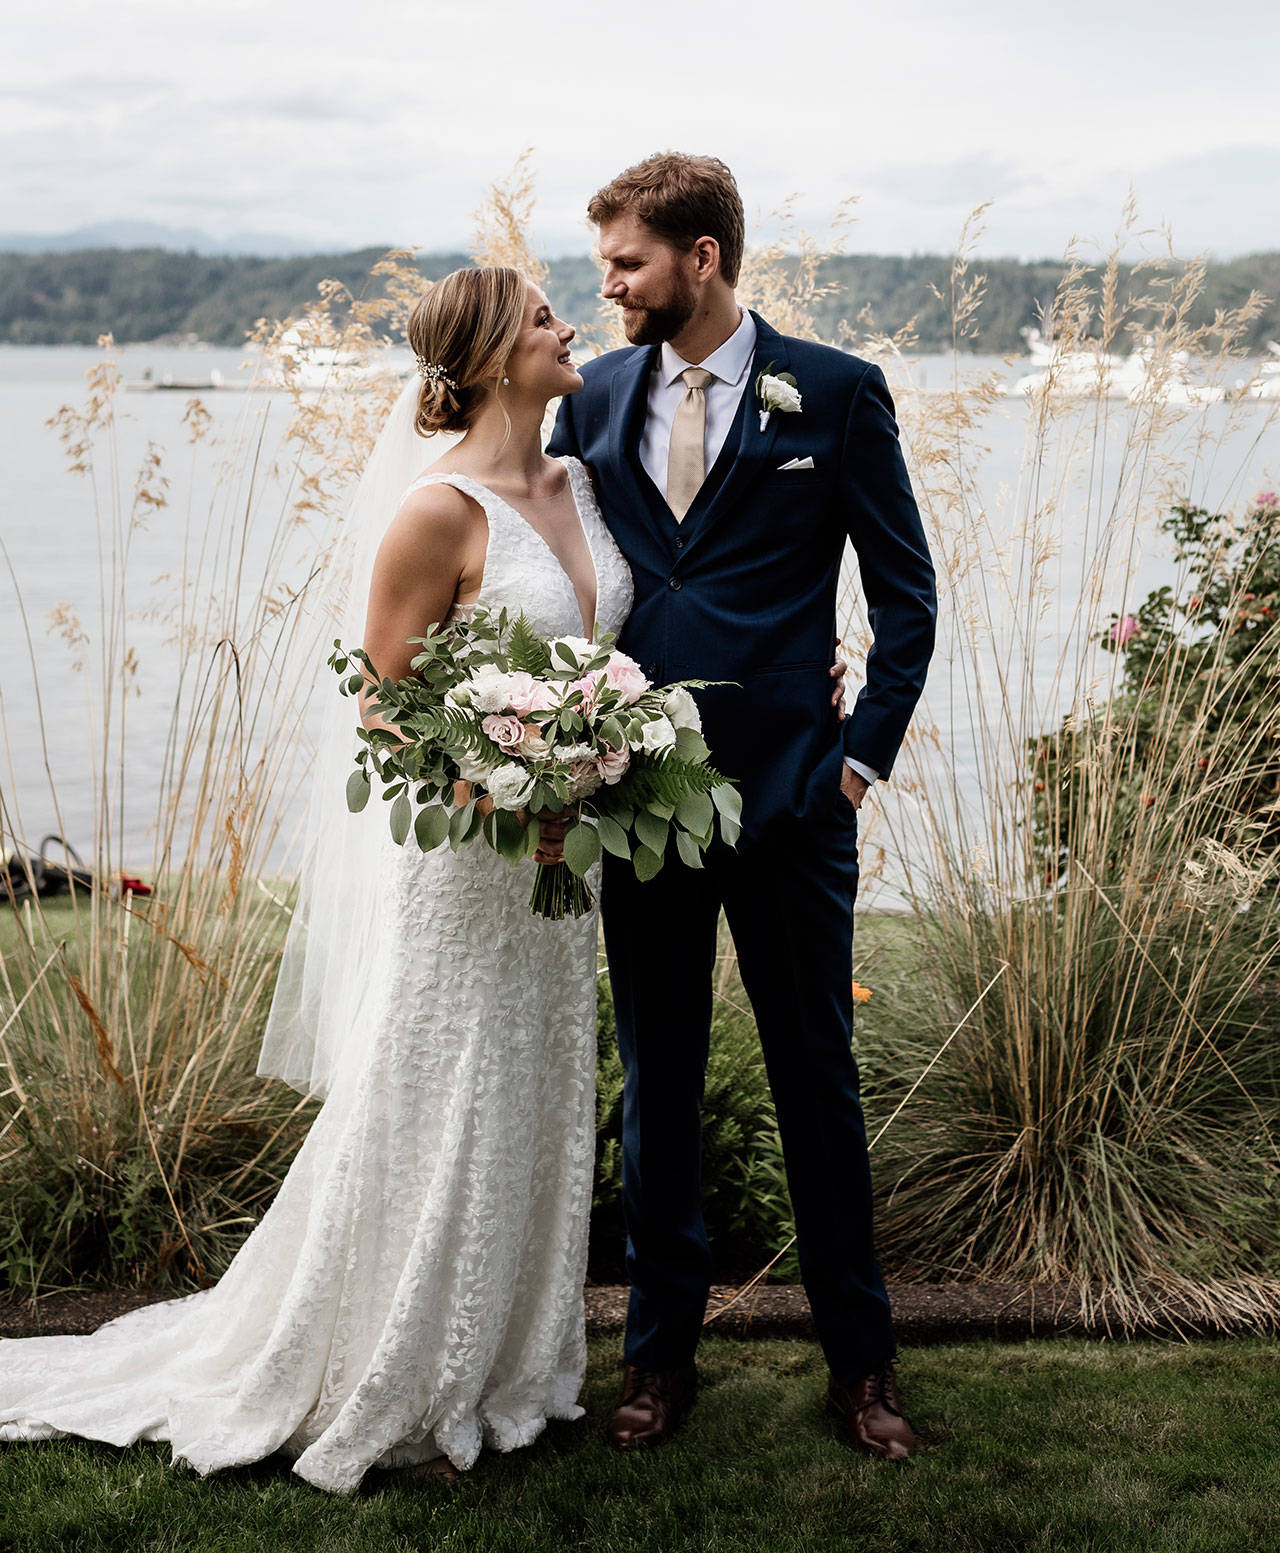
point(384, 122)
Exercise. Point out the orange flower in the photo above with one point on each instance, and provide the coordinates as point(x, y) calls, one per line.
point(861, 994)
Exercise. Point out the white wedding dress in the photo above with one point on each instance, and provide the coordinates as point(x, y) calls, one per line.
point(415, 1289)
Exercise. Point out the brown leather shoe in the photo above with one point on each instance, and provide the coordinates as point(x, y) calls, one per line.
point(871, 1411)
point(653, 1403)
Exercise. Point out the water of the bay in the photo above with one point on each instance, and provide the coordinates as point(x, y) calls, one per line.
point(51, 540)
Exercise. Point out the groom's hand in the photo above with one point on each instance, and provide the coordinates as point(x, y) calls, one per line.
point(838, 671)
point(853, 786)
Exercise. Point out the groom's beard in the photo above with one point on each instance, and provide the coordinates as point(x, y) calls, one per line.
point(652, 325)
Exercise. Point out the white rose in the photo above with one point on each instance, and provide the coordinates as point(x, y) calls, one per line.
point(509, 786)
point(682, 709)
point(658, 735)
point(472, 770)
point(489, 688)
point(571, 754)
point(777, 395)
point(579, 646)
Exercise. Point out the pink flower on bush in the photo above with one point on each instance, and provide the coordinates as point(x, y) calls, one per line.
point(1123, 630)
point(1266, 499)
point(626, 677)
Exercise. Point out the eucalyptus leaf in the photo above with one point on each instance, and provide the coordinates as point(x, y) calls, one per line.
point(690, 745)
point(647, 864)
point(690, 852)
point(459, 822)
point(612, 837)
point(401, 819)
point(696, 812)
point(581, 847)
point(358, 789)
point(652, 831)
point(728, 800)
point(511, 835)
point(431, 826)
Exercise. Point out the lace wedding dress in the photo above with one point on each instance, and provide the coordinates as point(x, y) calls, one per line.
point(415, 1289)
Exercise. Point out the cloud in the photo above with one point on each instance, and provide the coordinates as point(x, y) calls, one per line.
point(963, 181)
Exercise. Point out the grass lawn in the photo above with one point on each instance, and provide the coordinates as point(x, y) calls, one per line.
point(1060, 1446)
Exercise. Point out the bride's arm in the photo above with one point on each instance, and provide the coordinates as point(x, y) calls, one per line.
point(432, 554)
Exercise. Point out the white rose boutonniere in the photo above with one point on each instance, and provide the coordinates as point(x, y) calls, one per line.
point(776, 393)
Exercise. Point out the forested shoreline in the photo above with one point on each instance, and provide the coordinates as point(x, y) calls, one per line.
point(154, 294)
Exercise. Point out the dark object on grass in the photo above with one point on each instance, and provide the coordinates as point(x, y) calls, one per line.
point(21, 878)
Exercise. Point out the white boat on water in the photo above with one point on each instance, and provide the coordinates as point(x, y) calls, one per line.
point(1166, 379)
point(310, 365)
point(1086, 371)
point(1267, 383)
point(1083, 371)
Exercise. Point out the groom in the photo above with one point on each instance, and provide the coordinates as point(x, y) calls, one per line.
point(734, 522)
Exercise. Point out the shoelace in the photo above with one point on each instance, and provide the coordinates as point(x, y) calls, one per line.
point(884, 1389)
point(646, 1380)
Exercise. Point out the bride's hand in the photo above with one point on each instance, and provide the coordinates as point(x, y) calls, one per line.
point(552, 824)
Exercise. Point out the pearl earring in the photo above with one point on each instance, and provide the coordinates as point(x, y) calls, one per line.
point(505, 381)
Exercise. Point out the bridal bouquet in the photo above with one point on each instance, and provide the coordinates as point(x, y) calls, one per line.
point(564, 725)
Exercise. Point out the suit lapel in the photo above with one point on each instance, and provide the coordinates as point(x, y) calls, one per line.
point(754, 445)
point(628, 401)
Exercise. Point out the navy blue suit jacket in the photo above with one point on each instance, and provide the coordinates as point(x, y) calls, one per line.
point(744, 589)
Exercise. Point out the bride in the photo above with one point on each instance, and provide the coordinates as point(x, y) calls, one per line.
point(415, 1290)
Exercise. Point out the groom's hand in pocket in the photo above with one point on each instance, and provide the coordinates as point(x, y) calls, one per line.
point(853, 786)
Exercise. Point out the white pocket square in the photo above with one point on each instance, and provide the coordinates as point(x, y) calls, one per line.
point(796, 463)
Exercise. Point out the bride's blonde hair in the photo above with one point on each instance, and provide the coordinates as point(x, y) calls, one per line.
point(465, 328)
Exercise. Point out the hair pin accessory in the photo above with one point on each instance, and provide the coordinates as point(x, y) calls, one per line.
point(434, 373)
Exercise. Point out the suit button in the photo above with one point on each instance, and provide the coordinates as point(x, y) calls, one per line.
point(679, 542)
point(674, 584)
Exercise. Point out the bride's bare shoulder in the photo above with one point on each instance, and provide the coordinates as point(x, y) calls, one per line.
point(434, 524)
point(436, 505)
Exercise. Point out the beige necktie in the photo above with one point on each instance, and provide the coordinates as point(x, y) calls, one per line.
point(686, 468)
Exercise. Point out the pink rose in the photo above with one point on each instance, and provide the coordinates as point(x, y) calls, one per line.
point(589, 685)
point(508, 733)
point(626, 677)
point(613, 764)
point(527, 694)
point(1123, 630)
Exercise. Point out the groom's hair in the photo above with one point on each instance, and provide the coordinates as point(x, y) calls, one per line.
point(682, 198)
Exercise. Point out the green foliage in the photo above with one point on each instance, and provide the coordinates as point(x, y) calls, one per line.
point(146, 294)
point(526, 651)
point(1192, 729)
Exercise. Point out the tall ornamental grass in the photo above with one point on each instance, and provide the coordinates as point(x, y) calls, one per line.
point(1085, 829)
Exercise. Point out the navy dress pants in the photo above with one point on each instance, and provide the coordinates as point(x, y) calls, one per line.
point(789, 904)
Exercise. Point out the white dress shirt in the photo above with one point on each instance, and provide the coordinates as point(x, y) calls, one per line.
point(729, 363)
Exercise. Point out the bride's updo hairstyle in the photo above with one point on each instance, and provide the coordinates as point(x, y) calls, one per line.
point(464, 330)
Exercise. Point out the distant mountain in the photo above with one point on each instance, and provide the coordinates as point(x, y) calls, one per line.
point(150, 234)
